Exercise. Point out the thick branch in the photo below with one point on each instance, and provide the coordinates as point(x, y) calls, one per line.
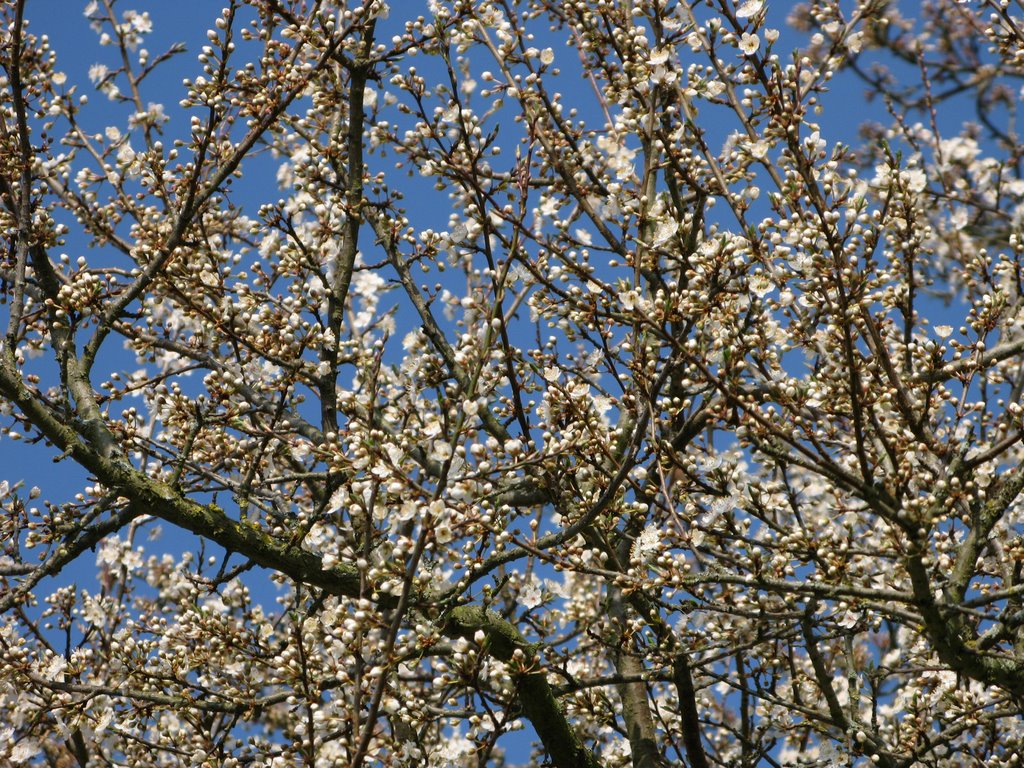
point(541, 708)
point(688, 714)
point(152, 497)
point(636, 706)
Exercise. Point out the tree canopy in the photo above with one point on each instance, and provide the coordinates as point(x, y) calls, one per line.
point(514, 382)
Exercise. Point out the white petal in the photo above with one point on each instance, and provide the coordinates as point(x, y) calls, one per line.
point(749, 8)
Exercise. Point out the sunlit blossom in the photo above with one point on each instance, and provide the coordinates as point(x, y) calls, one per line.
point(749, 8)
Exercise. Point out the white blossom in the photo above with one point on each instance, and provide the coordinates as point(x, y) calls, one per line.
point(749, 8)
point(645, 546)
point(749, 43)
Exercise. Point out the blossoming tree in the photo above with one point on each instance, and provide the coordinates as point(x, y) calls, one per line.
point(570, 385)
